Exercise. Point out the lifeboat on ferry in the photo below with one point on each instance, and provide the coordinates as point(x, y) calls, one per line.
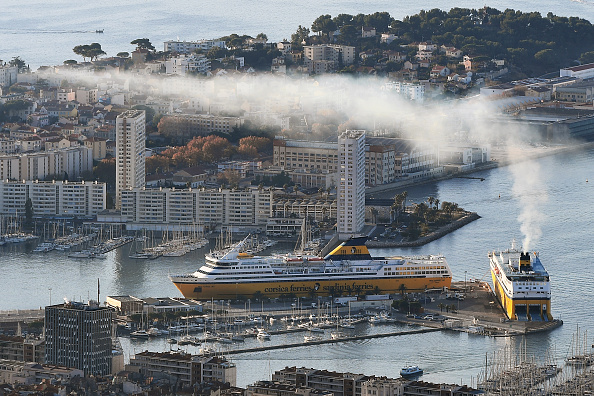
point(315, 259)
point(244, 255)
point(293, 259)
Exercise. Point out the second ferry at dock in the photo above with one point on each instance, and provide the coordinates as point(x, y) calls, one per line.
point(521, 284)
point(348, 270)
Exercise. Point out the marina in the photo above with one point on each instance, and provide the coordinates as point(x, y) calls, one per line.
point(466, 251)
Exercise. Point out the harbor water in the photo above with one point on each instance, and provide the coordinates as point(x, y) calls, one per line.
point(559, 184)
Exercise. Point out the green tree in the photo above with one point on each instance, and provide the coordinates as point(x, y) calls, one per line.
point(216, 53)
point(143, 43)
point(323, 25)
point(123, 54)
point(70, 62)
point(587, 57)
point(18, 62)
point(300, 36)
point(91, 51)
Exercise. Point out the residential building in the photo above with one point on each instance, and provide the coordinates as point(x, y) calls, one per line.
point(86, 95)
point(367, 31)
point(8, 75)
point(303, 154)
point(328, 56)
point(187, 64)
point(185, 126)
point(243, 168)
point(67, 163)
point(388, 38)
point(340, 384)
point(410, 91)
point(188, 47)
point(284, 47)
point(427, 46)
point(273, 388)
point(351, 189)
point(98, 146)
point(287, 206)
point(8, 146)
point(440, 71)
point(22, 349)
point(53, 198)
point(31, 373)
point(78, 335)
point(185, 368)
point(130, 147)
point(247, 209)
point(383, 387)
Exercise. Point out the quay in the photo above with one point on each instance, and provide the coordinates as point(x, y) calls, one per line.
point(329, 341)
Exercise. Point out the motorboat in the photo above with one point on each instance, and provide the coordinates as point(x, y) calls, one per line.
point(411, 371)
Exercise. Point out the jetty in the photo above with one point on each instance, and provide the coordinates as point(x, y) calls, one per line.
point(329, 341)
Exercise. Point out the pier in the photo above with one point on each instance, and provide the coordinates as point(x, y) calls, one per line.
point(329, 341)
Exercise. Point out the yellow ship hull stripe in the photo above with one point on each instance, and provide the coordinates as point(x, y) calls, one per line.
point(210, 290)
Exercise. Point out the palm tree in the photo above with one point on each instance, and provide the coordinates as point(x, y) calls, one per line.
point(404, 196)
point(436, 203)
point(295, 189)
point(441, 306)
point(402, 289)
point(430, 200)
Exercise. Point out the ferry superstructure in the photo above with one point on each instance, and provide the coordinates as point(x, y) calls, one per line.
point(348, 270)
point(521, 284)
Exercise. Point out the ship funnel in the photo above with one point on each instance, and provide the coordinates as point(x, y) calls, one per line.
point(524, 261)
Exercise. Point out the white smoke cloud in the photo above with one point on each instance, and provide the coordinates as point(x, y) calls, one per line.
point(530, 190)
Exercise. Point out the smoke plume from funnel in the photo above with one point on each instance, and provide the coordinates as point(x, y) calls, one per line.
point(530, 190)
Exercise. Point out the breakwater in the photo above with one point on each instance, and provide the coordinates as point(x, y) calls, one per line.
point(461, 222)
point(330, 341)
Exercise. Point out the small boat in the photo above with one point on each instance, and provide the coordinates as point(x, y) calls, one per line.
point(263, 335)
point(312, 338)
point(336, 335)
point(411, 371)
point(140, 334)
point(99, 31)
point(171, 341)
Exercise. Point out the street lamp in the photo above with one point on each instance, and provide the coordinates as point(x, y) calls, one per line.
point(464, 281)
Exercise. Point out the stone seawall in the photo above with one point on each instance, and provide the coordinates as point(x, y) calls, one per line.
point(470, 217)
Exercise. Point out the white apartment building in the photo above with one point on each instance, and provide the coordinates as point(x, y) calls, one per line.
point(130, 151)
point(411, 91)
point(52, 198)
point(187, 47)
point(321, 54)
point(8, 75)
point(351, 189)
point(250, 208)
point(70, 162)
point(184, 64)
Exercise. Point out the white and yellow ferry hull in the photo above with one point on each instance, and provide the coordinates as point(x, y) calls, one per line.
point(302, 288)
point(509, 304)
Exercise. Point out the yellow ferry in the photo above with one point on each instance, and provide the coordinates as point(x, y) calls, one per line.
point(347, 270)
point(521, 284)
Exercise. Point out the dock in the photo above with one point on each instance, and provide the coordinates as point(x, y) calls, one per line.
point(329, 341)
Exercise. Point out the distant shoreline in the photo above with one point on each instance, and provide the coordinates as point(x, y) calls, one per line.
point(395, 186)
